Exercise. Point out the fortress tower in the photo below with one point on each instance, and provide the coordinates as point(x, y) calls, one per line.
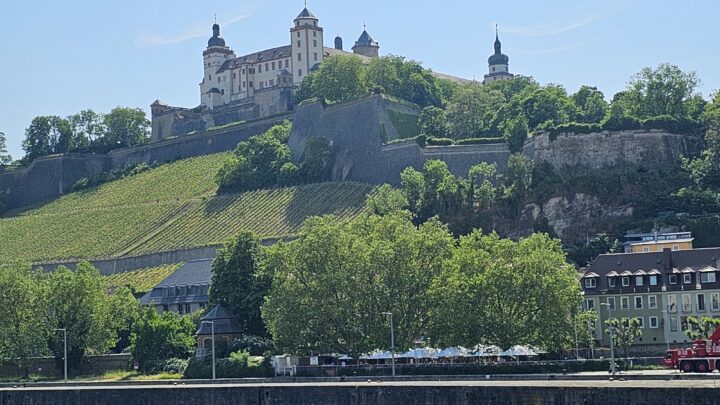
point(498, 63)
point(216, 54)
point(306, 41)
point(366, 46)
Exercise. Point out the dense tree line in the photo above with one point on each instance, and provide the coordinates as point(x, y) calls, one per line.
point(86, 131)
point(265, 161)
point(35, 305)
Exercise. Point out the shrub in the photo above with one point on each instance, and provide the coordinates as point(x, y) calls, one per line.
point(671, 124)
point(480, 141)
point(235, 366)
point(439, 141)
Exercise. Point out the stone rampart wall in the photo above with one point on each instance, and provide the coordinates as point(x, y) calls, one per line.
point(52, 176)
point(646, 148)
point(93, 365)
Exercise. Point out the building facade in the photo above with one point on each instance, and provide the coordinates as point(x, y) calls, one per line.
point(660, 289)
point(498, 63)
point(183, 292)
point(657, 242)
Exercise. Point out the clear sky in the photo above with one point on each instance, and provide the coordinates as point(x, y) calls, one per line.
point(59, 57)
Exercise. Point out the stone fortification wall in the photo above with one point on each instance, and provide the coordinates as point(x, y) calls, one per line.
point(366, 393)
point(355, 130)
point(647, 148)
point(50, 177)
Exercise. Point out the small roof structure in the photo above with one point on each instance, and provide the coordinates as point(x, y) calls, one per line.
point(687, 270)
point(654, 272)
point(590, 274)
point(225, 323)
point(708, 269)
point(640, 273)
point(626, 273)
point(613, 274)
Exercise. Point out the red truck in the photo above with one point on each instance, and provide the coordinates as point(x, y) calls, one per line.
point(702, 357)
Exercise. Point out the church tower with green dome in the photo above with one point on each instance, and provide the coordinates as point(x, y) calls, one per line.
point(498, 63)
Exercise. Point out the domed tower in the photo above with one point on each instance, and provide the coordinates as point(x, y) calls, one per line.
point(498, 63)
point(338, 43)
point(306, 40)
point(214, 56)
point(366, 46)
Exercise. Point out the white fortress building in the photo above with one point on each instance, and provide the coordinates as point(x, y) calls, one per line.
point(261, 84)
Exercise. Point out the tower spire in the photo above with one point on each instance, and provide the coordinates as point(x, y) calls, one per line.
point(215, 15)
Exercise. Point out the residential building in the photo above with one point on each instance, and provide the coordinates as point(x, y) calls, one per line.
point(219, 322)
point(660, 289)
point(185, 291)
point(657, 242)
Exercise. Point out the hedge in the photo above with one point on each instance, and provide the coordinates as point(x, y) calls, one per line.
point(439, 141)
point(673, 125)
point(480, 141)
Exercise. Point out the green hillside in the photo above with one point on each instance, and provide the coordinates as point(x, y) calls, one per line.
point(164, 208)
point(143, 280)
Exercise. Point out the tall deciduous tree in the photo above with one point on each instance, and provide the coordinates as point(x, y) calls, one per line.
point(505, 293)
point(78, 302)
point(591, 104)
point(701, 327)
point(22, 308)
point(625, 332)
point(339, 78)
point(237, 283)
point(332, 284)
point(37, 140)
point(126, 126)
point(471, 110)
point(5, 157)
point(159, 337)
point(87, 126)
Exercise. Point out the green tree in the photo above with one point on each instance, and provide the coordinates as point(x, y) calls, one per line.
point(703, 195)
point(666, 90)
point(711, 113)
point(517, 180)
point(496, 291)
point(385, 200)
point(87, 127)
point(237, 283)
point(482, 191)
point(305, 90)
point(331, 285)
point(701, 327)
point(159, 337)
point(37, 140)
point(79, 303)
point(413, 186)
point(433, 122)
point(584, 328)
point(314, 167)
point(5, 158)
point(339, 78)
point(126, 126)
point(591, 104)
point(548, 105)
point(585, 252)
point(22, 309)
point(61, 136)
point(471, 110)
point(257, 162)
point(625, 332)
point(516, 132)
point(123, 311)
point(404, 79)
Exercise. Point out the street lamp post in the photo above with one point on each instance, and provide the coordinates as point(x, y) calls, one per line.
point(612, 344)
point(212, 334)
point(392, 340)
point(665, 328)
point(65, 359)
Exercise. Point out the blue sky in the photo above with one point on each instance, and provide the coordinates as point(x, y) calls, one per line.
point(62, 57)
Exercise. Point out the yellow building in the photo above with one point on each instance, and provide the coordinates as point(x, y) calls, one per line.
point(657, 242)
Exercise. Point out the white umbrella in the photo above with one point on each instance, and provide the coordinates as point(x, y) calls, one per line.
point(518, 350)
point(421, 353)
point(452, 352)
point(486, 351)
point(345, 357)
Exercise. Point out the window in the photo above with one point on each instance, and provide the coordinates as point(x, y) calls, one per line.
point(243, 71)
point(652, 301)
point(683, 323)
point(625, 303)
point(672, 303)
point(166, 308)
point(646, 249)
point(653, 322)
point(244, 85)
point(315, 43)
point(299, 72)
point(715, 301)
point(641, 321)
point(250, 84)
point(638, 281)
point(687, 278)
point(590, 282)
point(287, 63)
point(267, 67)
point(707, 277)
point(218, 79)
point(180, 309)
point(299, 57)
point(187, 308)
point(209, 77)
point(611, 302)
point(686, 304)
point(653, 280)
point(673, 324)
point(676, 247)
point(315, 55)
point(298, 33)
point(626, 281)
point(234, 75)
point(611, 282)
point(493, 68)
point(673, 279)
point(701, 302)
point(589, 304)
point(273, 66)
point(314, 33)
point(638, 302)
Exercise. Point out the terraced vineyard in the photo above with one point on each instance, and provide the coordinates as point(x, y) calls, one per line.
point(143, 280)
point(269, 213)
point(165, 208)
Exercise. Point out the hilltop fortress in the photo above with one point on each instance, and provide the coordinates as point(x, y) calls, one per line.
point(261, 84)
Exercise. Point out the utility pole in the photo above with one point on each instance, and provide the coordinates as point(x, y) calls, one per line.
point(612, 344)
point(392, 340)
point(212, 334)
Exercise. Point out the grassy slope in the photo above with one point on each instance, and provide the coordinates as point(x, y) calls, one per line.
point(167, 207)
point(142, 280)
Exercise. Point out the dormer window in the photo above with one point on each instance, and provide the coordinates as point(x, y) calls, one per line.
point(590, 282)
point(673, 279)
point(687, 278)
point(653, 280)
point(638, 281)
point(626, 281)
point(611, 282)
